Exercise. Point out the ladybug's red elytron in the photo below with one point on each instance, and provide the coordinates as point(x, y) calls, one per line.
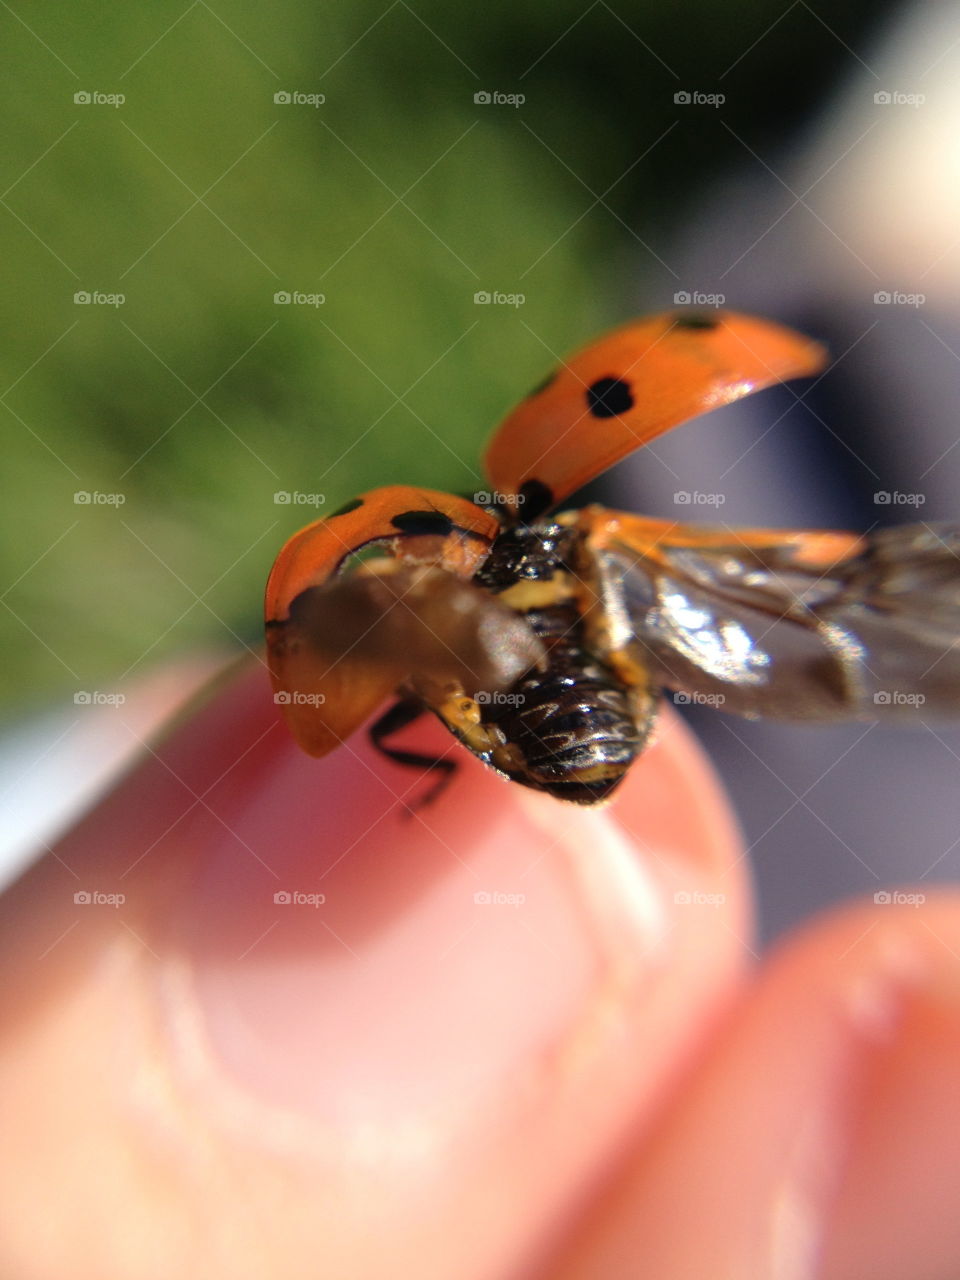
point(542, 641)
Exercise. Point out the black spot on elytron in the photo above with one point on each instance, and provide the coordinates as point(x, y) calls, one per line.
point(533, 499)
point(423, 522)
point(696, 320)
point(548, 381)
point(609, 396)
point(347, 507)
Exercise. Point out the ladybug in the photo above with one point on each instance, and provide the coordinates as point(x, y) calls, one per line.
point(543, 641)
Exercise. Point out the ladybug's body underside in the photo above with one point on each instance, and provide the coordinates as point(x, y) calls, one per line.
point(576, 725)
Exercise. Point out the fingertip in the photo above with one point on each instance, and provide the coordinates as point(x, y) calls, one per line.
point(487, 995)
point(817, 1135)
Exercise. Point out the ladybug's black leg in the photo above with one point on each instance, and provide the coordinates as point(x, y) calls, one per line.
point(397, 717)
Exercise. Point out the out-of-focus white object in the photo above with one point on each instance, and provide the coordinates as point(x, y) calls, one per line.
point(884, 172)
point(54, 766)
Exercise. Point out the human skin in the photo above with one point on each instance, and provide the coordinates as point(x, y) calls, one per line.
point(584, 1072)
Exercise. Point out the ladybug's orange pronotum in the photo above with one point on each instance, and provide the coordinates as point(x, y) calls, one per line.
point(542, 641)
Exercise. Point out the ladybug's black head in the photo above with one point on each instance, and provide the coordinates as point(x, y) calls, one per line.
point(525, 552)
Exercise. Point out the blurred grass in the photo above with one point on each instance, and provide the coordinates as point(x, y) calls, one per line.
point(398, 199)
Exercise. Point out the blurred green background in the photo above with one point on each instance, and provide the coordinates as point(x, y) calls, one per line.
point(200, 197)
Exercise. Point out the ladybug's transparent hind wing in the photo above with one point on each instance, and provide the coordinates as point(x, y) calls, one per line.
point(349, 643)
point(786, 625)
